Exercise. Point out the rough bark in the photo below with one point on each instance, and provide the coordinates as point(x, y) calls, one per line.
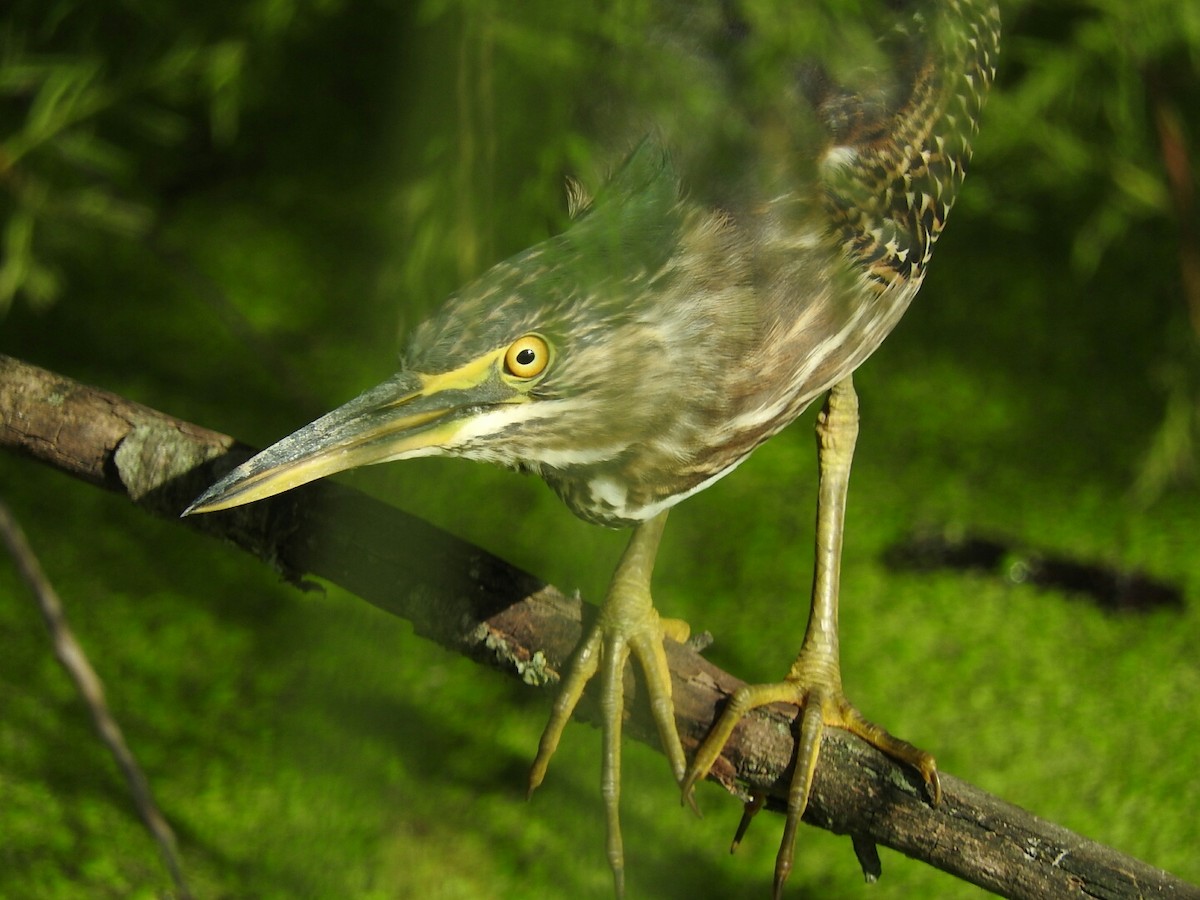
point(472, 602)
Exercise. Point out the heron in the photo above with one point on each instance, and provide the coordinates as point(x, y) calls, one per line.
point(644, 352)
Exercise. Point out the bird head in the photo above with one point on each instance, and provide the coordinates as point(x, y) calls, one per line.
point(550, 359)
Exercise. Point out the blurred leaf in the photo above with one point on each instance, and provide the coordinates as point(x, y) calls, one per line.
point(19, 270)
point(18, 256)
point(224, 71)
point(68, 94)
point(99, 208)
point(1145, 187)
point(89, 153)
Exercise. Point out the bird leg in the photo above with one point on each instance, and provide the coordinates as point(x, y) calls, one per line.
point(814, 681)
point(628, 622)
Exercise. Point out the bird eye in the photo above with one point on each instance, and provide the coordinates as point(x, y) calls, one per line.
point(527, 357)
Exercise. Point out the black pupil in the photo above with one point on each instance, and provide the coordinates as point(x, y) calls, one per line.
point(526, 357)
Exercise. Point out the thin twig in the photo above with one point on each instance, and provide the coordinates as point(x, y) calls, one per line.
point(73, 658)
point(1176, 159)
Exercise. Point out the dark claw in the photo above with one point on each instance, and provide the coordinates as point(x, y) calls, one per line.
point(749, 811)
point(868, 857)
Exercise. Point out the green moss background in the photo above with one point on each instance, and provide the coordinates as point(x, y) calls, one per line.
point(232, 212)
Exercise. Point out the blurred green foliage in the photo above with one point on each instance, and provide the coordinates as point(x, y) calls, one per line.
point(1084, 86)
point(104, 107)
point(239, 208)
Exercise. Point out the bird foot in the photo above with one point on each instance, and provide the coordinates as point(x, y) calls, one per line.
point(628, 624)
point(822, 704)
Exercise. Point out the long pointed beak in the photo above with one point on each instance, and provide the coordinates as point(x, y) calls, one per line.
point(407, 416)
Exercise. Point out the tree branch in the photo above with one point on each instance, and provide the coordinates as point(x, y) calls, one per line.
point(476, 604)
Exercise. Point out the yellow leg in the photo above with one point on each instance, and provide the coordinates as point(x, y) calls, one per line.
point(814, 681)
point(628, 623)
